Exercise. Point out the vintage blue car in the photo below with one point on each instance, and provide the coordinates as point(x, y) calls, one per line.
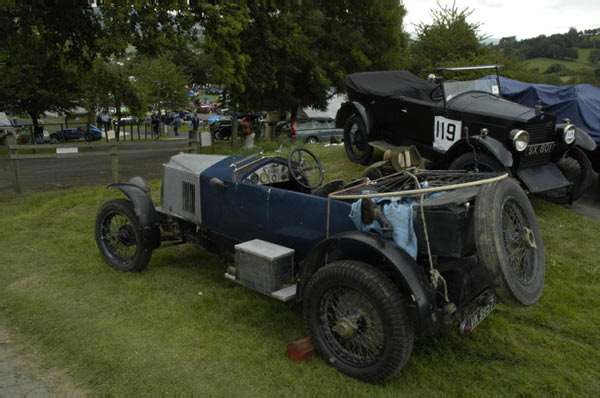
point(92, 133)
point(372, 261)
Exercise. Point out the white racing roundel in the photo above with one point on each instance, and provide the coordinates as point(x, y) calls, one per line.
point(446, 132)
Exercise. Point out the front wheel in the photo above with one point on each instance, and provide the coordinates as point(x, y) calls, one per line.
point(479, 162)
point(358, 320)
point(119, 236)
point(577, 168)
point(356, 140)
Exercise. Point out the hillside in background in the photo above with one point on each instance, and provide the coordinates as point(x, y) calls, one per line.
point(569, 58)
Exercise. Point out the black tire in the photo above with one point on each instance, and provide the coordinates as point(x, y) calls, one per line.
point(312, 140)
point(119, 236)
point(485, 163)
point(363, 303)
point(577, 168)
point(89, 137)
point(509, 243)
point(356, 140)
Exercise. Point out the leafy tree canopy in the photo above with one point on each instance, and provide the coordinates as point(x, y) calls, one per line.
point(281, 55)
point(449, 40)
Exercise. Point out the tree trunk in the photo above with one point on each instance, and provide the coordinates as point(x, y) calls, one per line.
point(294, 113)
point(234, 131)
point(118, 126)
point(35, 123)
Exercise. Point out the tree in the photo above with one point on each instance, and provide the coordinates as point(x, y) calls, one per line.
point(161, 82)
point(449, 40)
point(111, 85)
point(282, 55)
point(42, 47)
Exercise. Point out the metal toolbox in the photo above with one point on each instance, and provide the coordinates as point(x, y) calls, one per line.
point(264, 266)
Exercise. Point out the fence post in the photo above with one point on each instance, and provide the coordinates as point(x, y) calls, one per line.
point(11, 140)
point(114, 155)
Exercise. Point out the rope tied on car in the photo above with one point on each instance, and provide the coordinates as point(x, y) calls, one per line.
point(435, 275)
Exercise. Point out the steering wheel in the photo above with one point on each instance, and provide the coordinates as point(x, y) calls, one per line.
point(305, 168)
point(436, 94)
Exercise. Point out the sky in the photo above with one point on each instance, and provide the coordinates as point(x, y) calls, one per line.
point(521, 18)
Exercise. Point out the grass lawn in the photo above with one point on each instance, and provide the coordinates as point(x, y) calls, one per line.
point(181, 328)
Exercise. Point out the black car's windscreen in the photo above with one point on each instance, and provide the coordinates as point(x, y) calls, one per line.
point(388, 84)
point(489, 85)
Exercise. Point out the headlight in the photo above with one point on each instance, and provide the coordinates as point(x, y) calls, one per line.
point(569, 133)
point(520, 139)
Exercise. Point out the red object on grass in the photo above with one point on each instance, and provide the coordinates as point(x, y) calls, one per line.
point(300, 350)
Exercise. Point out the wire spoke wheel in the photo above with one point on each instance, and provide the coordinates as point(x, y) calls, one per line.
point(519, 241)
point(509, 242)
point(356, 140)
point(352, 326)
point(358, 320)
point(119, 236)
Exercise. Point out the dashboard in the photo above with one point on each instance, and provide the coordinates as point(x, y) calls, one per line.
point(269, 174)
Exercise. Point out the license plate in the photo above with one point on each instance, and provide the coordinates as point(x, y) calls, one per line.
point(538, 149)
point(488, 304)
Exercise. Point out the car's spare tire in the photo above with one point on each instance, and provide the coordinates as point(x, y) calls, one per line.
point(509, 242)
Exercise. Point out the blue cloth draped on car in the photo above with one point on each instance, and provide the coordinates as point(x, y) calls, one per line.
point(580, 102)
point(399, 213)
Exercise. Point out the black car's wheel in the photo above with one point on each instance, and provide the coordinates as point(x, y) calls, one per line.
point(576, 166)
point(305, 168)
point(485, 163)
point(119, 236)
point(312, 140)
point(509, 242)
point(356, 140)
point(89, 137)
point(54, 139)
point(358, 320)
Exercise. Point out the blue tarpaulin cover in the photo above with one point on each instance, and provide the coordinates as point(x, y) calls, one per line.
point(580, 102)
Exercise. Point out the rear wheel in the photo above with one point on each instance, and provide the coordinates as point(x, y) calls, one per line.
point(358, 320)
point(509, 242)
point(312, 140)
point(356, 140)
point(577, 168)
point(54, 139)
point(119, 236)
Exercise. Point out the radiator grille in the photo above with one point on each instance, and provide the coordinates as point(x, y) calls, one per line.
point(538, 133)
point(188, 196)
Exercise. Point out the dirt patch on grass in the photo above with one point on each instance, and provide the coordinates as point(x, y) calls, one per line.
point(27, 282)
point(72, 211)
point(21, 362)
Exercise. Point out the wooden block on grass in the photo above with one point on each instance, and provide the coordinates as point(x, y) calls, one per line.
point(300, 350)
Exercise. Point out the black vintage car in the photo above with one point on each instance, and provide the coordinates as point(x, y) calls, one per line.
point(458, 125)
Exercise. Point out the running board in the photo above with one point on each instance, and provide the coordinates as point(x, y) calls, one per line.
point(285, 294)
point(381, 145)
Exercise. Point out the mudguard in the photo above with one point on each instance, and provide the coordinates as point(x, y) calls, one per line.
point(491, 145)
point(413, 274)
point(144, 209)
point(495, 147)
point(584, 140)
point(348, 108)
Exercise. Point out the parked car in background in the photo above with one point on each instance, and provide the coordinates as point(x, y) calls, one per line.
point(460, 125)
point(127, 120)
point(92, 133)
point(221, 128)
point(310, 131)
